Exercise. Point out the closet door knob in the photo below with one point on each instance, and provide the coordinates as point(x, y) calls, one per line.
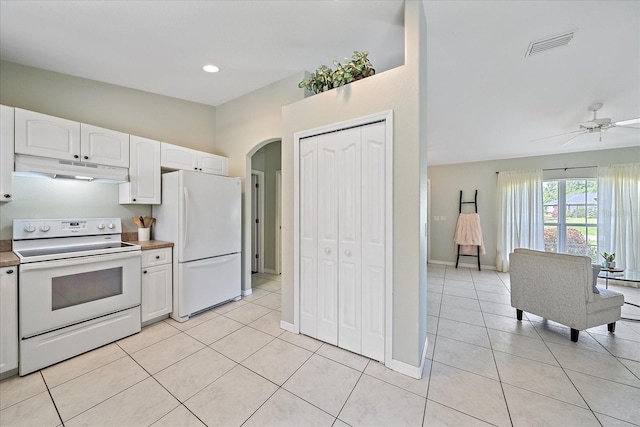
point(327, 251)
point(347, 252)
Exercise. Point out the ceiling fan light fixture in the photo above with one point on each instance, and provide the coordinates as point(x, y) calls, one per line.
point(549, 43)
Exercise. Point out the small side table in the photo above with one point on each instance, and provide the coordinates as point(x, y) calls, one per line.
point(626, 276)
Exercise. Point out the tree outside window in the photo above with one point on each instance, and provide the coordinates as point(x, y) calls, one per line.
point(571, 216)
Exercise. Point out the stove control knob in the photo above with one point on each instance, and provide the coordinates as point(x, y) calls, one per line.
point(45, 228)
point(100, 226)
point(111, 226)
point(29, 228)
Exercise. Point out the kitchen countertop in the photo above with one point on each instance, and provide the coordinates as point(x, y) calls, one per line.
point(8, 259)
point(152, 244)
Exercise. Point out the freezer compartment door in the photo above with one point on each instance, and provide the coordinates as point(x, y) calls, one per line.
point(211, 216)
point(205, 283)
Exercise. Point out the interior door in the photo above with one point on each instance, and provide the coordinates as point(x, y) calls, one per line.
point(327, 245)
point(349, 247)
point(255, 218)
point(308, 236)
point(373, 246)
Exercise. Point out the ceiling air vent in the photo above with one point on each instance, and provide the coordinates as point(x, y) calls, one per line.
point(549, 43)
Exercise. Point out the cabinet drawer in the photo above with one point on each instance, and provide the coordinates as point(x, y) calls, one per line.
point(156, 257)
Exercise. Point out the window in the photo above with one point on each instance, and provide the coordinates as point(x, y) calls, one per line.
point(571, 216)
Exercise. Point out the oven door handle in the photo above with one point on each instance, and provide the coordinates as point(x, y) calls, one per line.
point(185, 190)
point(77, 261)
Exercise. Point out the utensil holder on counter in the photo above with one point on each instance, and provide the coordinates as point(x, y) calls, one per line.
point(144, 234)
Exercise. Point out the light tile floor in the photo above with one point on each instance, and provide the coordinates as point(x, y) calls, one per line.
point(234, 366)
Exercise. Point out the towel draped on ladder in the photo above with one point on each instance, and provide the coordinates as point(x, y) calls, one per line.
point(469, 234)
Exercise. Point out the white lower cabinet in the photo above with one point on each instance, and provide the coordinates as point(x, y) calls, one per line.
point(8, 320)
point(342, 238)
point(157, 297)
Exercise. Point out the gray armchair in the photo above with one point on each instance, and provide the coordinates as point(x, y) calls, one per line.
point(560, 287)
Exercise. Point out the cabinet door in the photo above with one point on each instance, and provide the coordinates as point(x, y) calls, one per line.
point(6, 153)
point(176, 157)
point(156, 292)
point(211, 163)
point(8, 319)
point(144, 173)
point(104, 146)
point(46, 136)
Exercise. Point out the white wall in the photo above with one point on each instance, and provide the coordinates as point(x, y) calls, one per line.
point(398, 89)
point(242, 127)
point(448, 180)
point(127, 110)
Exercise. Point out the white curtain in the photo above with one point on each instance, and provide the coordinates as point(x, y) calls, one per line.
point(520, 214)
point(619, 213)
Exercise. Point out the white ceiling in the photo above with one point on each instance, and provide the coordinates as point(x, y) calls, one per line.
point(485, 99)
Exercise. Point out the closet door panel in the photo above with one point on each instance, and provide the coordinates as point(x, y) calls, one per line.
point(308, 236)
point(373, 240)
point(349, 235)
point(328, 238)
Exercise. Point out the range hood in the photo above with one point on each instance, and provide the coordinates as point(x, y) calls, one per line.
point(67, 169)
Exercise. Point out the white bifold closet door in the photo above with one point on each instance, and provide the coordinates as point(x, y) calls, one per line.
point(342, 238)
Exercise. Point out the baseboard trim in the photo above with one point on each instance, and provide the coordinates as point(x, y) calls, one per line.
point(287, 326)
point(246, 292)
point(410, 370)
point(269, 271)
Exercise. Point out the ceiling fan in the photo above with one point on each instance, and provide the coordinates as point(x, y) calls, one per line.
point(595, 125)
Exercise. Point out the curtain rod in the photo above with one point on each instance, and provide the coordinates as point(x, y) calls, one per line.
point(565, 169)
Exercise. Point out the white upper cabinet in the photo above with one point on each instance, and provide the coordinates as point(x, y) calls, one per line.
point(211, 163)
point(144, 173)
point(177, 157)
point(42, 135)
point(46, 136)
point(104, 146)
point(6, 153)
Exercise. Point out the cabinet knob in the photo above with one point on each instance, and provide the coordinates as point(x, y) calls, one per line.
point(347, 252)
point(9, 271)
point(75, 156)
point(195, 169)
point(134, 200)
point(7, 196)
point(86, 157)
point(144, 272)
point(327, 251)
point(157, 256)
point(200, 169)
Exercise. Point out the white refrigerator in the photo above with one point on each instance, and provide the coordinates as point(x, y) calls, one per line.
point(201, 215)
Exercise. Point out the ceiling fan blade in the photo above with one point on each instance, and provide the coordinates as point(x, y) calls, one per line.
point(571, 140)
point(553, 136)
point(628, 123)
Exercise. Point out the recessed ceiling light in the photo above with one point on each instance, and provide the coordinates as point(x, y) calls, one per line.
point(211, 68)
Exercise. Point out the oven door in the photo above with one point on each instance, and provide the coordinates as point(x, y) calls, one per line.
point(55, 294)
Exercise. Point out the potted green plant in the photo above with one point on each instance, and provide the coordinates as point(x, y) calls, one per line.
point(325, 78)
point(608, 260)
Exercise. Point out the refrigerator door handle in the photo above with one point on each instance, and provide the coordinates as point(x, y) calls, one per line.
point(186, 216)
